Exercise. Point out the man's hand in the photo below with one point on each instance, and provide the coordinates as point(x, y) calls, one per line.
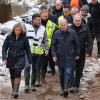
point(77, 57)
point(55, 59)
point(46, 52)
point(5, 61)
point(30, 65)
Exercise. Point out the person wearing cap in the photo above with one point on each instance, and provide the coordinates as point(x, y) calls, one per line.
point(88, 20)
point(38, 45)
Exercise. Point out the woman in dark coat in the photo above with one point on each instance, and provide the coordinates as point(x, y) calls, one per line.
point(13, 55)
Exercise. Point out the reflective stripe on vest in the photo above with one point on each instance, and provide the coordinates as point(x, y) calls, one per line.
point(50, 27)
point(35, 40)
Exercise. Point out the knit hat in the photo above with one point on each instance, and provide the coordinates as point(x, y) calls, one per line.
point(85, 7)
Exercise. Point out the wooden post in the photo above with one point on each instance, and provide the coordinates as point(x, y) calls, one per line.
point(5, 12)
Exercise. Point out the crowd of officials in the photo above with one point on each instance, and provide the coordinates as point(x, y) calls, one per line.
point(61, 35)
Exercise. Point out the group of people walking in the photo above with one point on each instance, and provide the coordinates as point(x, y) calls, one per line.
point(60, 35)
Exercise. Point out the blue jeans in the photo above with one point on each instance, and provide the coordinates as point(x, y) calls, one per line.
point(35, 70)
point(65, 77)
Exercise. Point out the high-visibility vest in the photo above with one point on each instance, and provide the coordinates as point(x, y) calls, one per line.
point(74, 3)
point(60, 18)
point(35, 39)
point(50, 27)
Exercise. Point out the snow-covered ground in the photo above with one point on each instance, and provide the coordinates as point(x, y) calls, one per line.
point(92, 67)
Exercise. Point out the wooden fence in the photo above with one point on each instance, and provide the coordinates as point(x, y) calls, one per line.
point(5, 12)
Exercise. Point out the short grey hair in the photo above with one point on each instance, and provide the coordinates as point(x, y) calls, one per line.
point(63, 20)
point(77, 15)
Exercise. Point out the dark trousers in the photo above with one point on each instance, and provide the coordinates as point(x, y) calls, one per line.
point(98, 45)
point(44, 63)
point(35, 71)
point(15, 73)
point(51, 63)
point(65, 77)
point(78, 71)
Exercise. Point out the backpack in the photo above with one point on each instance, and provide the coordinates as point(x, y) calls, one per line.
point(74, 3)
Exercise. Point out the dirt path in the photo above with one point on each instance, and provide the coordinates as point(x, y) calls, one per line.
point(48, 91)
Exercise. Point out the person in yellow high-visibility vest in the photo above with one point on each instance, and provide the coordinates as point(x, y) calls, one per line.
point(38, 45)
point(66, 12)
point(49, 21)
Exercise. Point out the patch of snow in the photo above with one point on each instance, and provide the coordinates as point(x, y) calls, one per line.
point(29, 3)
point(92, 67)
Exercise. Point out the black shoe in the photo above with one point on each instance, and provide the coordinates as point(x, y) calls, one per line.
point(53, 73)
point(26, 91)
point(49, 71)
point(66, 94)
point(38, 85)
point(15, 95)
point(74, 90)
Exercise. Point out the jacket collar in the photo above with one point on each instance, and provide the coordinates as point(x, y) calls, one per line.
point(82, 29)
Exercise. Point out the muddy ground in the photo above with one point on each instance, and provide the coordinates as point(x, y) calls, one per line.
point(50, 91)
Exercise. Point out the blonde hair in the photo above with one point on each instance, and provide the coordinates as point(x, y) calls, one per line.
point(20, 26)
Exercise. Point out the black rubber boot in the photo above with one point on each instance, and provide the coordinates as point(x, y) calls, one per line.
point(16, 89)
point(27, 90)
point(12, 89)
point(12, 83)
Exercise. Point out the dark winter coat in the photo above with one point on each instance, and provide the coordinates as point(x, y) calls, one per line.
point(83, 2)
point(85, 39)
point(69, 18)
point(65, 47)
point(13, 50)
point(88, 20)
point(66, 2)
point(57, 13)
point(95, 14)
point(53, 18)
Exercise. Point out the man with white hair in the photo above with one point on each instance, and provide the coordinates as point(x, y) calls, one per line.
point(65, 50)
point(85, 43)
